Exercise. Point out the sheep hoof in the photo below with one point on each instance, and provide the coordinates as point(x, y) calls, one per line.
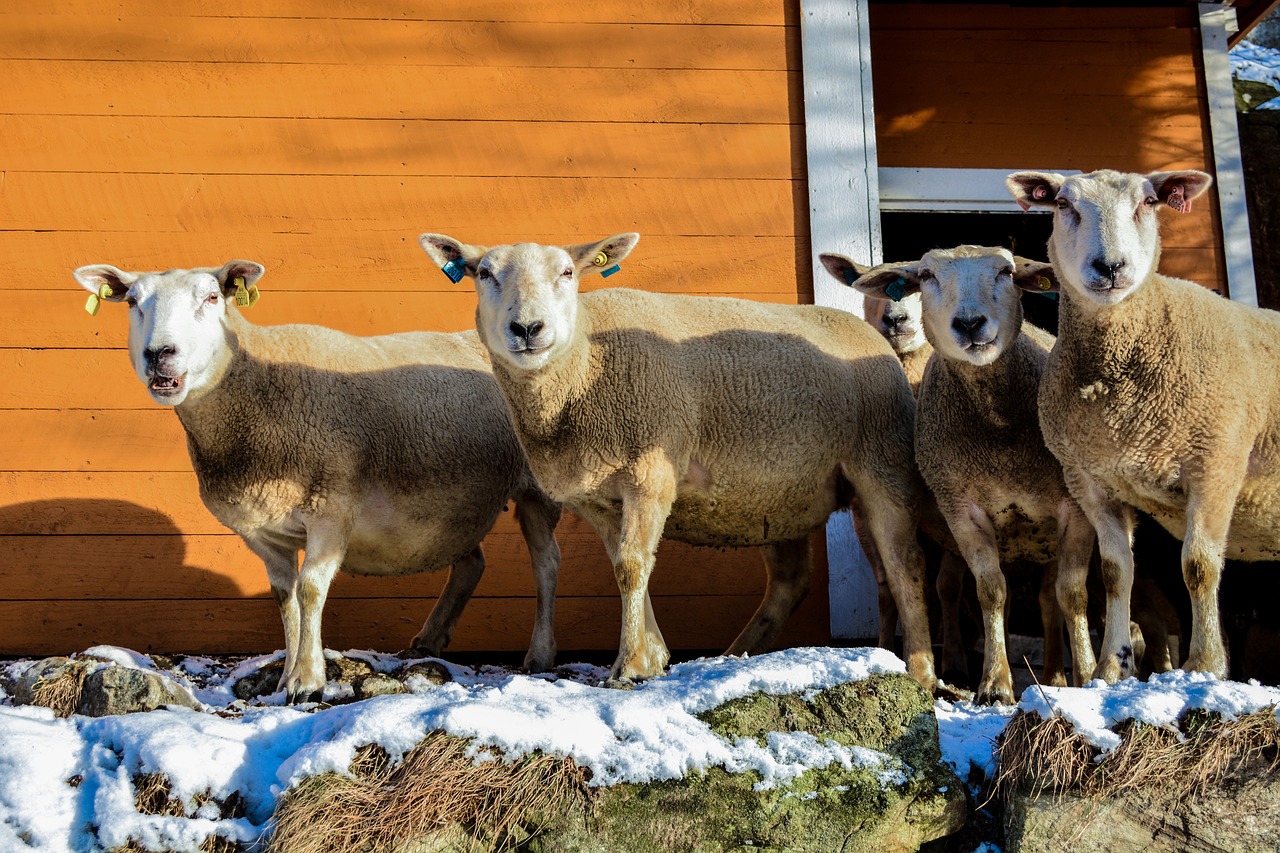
point(539, 662)
point(993, 695)
point(621, 683)
point(951, 693)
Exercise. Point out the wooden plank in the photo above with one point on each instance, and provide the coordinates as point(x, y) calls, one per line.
point(390, 261)
point(474, 148)
point(252, 626)
point(272, 203)
point(741, 12)
point(143, 88)
point(67, 325)
point(75, 503)
point(369, 42)
point(145, 440)
point(1082, 48)
point(1140, 83)
point(961, 16)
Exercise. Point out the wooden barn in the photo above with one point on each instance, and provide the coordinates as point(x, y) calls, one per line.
point(739, 137)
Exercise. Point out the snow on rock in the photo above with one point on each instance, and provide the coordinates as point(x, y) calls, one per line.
point(967, 734)
point(1250, 61)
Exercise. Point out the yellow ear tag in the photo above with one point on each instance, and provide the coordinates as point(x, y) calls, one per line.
point(254, 295)
point(600, 259)
point(243, 300)
point(1044, 283)
point(95, 299)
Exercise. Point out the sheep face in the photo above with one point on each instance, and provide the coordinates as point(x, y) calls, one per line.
point(901, 323)
point(1106, 237)
point(176, 339)
point(527, 313)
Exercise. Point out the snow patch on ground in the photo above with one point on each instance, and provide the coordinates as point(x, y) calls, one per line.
point(1258, 64)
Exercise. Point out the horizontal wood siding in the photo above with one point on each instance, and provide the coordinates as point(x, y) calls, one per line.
point(991, 87)
point(319, 139)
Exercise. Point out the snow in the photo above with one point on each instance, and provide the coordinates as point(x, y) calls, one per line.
point(1250, 61)
point(68, 784)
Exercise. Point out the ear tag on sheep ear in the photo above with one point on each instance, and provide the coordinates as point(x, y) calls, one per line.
point(600, 259)
point(1178, 200)
point(254, 295)
point(896, 290)
point(455, 270)
point(94, 302)
point(243, 300)
point(611, 270)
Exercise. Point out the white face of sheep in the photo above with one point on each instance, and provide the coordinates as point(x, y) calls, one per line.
point(969, 297)
point(528, 293)
point(901, 322)
point(176, 338)
point(1106, 237)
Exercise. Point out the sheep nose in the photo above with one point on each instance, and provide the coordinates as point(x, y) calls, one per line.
point(1107, 270)
point(525, 331)
point(153, 355)
point(967, 326)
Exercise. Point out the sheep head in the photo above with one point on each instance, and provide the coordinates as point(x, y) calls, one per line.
point(176, 339)
point(528, 293)
point(1106, 237)
point(969, 297)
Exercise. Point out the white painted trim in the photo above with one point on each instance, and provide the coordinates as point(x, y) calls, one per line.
point(1216, 23)
point(844, 216)
point(951, 190)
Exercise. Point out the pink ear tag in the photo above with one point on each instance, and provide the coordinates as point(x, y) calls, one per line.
point(1178, 200)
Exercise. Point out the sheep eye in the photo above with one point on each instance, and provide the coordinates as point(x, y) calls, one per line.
point(1150, 201)
point(568, 272)
point(131, 302)
point(484, 274)
point(1062, 204)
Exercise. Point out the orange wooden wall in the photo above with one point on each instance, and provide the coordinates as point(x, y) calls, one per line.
point(320, 139)
point(993, 87)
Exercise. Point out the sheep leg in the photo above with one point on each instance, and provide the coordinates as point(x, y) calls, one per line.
point(538, 516)
point(976, 537)
point(1075, 549)
point(1210, 504)
point(950, 587)
point(326, 548)
point(787, 567)
point(1054, 672)
point(282, 574)
point(892, 518)
point(1114, 524)
point(436, 632)
point(888, 607)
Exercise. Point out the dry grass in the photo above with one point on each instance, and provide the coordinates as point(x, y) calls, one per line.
point(436, 788)
point(1047, 756)
point(212, 844)
point(62, 692)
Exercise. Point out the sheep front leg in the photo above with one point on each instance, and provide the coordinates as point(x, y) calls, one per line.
point(1075, 549)
point(950, 587)
point(1211, 502)
point(976, 538)
point(787, 567)
point(437, 631)
point(887, 606)
point(538, 516)
point(325, 551)
point(281, 562)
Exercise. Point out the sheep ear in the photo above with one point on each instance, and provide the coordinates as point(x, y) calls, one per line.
point(1176, 189)
point(237, 275)
point(604, 255)
point(105, 281)
point(890, 281)
point(1035, 276)
point(843, 269)
point(1034, 189)
point(454, 257)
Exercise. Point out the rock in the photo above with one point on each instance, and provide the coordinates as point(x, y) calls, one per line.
point(121, 690)
point(345, 670)
point(433, 671)
point(261, 682)
point(823, 810)
point(23, 688)
point(377, 684)
point(1240, 813)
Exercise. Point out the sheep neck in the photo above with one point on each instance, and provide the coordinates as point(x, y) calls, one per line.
point(1107, 344)
point(1004, 390)
point(542, 400)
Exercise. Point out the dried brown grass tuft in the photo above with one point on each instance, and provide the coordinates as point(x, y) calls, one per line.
point(62, 691)
point(1039, 756)
point(437, 787)
point(212, 844)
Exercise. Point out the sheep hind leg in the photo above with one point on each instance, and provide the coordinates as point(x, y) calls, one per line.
point(887, 606)
point(538, 516)
point(1209, 510)
point(787, 566)
point(1076, 542)
point(950, 588)
point(437, 631)
point(1054, 672)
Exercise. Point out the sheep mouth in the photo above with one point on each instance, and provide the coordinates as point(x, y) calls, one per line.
point(166, 386)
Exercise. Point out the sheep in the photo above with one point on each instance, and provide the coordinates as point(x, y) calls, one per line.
point(1159, 394)
point(379, 455)
point(901, 323)
point(712, 421)
point(979, 447)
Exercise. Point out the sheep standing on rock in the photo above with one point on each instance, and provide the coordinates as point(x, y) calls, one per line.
point(383, 456)
point(711, 421)
point(979, 446)
point(1159, 395)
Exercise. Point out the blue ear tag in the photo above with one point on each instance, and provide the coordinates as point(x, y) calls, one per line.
point(850, 275)
point(896, 290)
point(610, 271)
point(455, 269)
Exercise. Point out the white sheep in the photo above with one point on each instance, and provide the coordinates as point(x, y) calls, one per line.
point(901, 322)
point(1159, 394)
point(979, 446)
point(712, 421)
point(381, 456)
